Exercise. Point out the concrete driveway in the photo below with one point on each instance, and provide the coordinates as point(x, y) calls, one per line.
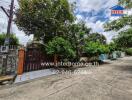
point(107, 82)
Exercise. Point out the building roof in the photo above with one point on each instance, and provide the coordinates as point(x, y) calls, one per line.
point(117, 7)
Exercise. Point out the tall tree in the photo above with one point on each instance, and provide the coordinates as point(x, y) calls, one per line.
point(44, 18)
point(96, 37)
point(76, 33)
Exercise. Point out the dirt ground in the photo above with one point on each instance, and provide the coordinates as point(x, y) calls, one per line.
point(107, 82)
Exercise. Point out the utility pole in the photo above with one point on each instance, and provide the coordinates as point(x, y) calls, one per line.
point(10, 17)
point(7, 40)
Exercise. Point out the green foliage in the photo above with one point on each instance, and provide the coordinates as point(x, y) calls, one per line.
point(129, 51)
point(126, 3)
point(13, 39)
point(44, 18)
point(95, 44)
point(118, 24)
point(96, 37)
point(61, 47)
point(76, 34)
point(124, 39)
point(112, 47)
point(95, 48)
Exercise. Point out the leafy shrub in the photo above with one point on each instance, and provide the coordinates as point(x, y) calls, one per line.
point(112, 47)
point(129, 51)
point(13, 39)
point(95, 48)
point(61, 47)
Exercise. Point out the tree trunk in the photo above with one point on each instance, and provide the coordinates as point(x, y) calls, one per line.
point(55, 60)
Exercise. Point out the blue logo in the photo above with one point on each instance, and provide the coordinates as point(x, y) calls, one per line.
point(117, 11)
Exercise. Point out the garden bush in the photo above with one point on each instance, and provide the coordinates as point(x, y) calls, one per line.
point(95, 49)
point(129, 51)
point(13, 39)
point(61, 47)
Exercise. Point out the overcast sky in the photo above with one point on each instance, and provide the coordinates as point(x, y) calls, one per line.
point(94, 12)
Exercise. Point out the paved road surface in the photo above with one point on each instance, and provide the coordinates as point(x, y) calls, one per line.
point(107, 82)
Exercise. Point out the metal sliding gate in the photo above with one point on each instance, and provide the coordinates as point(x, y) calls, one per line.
point(34, 58)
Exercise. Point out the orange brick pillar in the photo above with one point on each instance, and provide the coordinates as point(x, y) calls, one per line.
point(21, 57)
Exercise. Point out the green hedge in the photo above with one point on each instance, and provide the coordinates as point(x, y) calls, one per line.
point(129, 51)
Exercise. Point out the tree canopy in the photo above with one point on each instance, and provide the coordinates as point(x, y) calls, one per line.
point(61, 47)
point(44, 18)
point(96, 37)
point(126, 3)
point(76, 33)
point(124, 39)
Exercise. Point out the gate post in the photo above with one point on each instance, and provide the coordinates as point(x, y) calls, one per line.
point(21, 58)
